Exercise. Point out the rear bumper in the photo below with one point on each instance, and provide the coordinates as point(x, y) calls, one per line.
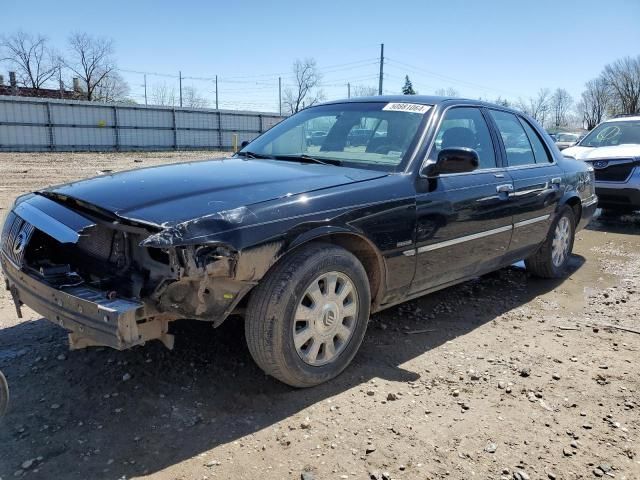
point(589, 207)
point(86, 312)
point(618, 197)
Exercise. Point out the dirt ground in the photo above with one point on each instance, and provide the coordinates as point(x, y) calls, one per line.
point(503, 377)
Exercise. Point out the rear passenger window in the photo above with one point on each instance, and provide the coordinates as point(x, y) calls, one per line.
point(539, 152)
point(516, 142)
point(466, 127)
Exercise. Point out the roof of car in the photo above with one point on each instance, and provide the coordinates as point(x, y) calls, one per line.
point(420, 99)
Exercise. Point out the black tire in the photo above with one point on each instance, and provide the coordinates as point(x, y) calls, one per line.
point(4, 395)
point(541, 263)
point(269, 321)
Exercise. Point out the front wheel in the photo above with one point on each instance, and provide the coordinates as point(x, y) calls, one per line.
point(306, 319)
point(552, 258)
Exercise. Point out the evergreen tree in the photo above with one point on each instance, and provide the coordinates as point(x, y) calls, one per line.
point(408, 87)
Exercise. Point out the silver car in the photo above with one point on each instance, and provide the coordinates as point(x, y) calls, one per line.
point(613, 149)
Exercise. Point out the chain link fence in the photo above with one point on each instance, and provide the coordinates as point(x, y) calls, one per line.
point(32, 124)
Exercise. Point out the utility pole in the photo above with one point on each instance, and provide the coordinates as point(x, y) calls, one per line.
point(348, 90)
point(216, 92)
point(145, 89)
point(180, 77)
point(381, 68)
point(280, 94)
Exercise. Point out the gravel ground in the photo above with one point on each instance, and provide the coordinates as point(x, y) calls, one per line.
point(503, 377)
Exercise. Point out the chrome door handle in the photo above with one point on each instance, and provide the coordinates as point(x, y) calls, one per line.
point(506, 188)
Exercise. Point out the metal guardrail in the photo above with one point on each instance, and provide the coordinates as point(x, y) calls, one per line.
point(33, 124)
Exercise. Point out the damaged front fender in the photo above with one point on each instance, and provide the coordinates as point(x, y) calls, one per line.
point(199, 229)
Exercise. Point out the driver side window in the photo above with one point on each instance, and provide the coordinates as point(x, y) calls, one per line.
point(466, 127)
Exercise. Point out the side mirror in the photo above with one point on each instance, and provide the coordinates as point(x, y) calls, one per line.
point(244, 144)
point(453, 160)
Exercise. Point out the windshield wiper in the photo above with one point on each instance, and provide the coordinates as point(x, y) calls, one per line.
point(252, 155)
point(307, 158)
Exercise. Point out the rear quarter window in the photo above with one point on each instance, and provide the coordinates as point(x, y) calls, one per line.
point(540, 152)
point(515, 140)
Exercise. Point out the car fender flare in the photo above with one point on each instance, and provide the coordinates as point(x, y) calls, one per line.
point(340, 235)
point(572, 199)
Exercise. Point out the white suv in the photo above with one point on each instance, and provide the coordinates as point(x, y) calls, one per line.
point(613, 149)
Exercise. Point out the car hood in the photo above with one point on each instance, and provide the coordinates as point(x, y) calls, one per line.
point(592, 153)
point(171, 194)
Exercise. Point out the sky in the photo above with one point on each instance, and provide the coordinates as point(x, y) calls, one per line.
point(487, 49)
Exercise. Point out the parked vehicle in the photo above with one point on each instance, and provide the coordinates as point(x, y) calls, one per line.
point(566, 139)
point(316, 137)
point(613, 149)
point(303, 241)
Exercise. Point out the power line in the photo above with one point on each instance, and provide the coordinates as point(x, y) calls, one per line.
point(446, 77)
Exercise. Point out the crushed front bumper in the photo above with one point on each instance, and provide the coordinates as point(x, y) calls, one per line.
point(91, 317)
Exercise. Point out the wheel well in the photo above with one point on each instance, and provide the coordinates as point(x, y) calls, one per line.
point(576, 206)
point(365, 252)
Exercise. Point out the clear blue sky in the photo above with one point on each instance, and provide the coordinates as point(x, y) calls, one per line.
point(489, 49)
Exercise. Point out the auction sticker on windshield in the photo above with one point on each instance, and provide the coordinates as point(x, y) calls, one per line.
point(407, 107)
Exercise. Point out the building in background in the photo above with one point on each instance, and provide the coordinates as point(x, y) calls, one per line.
point(13, 89)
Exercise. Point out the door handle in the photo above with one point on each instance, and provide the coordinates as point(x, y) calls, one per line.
point(556, 180)
point(505, 188)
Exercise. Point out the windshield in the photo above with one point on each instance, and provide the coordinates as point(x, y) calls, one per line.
point(372, 135)
point(613, 133)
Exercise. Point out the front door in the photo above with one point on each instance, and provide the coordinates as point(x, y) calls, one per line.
point(536, 178)
point(464, 221)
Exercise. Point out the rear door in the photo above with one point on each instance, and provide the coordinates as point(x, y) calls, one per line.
point(537, 181)
point(463, 220)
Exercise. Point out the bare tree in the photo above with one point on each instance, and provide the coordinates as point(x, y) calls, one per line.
point(305, 91)
point(191, 98)
point(560, 104)
point(447, 92)
point(164, 95)
point(594, 103)
point(623, 78)
point(537, 107)
point(502, 101)
point(112, 88)
point(31, 57)
point(90, 59)
point(363, 91)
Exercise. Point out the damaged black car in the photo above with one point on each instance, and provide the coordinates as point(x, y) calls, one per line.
point(301, 239)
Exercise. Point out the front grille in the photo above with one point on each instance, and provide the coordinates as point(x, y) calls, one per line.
point(16, 234)
point(614, 172)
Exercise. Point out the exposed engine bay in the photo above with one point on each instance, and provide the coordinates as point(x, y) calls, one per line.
point(104, 261)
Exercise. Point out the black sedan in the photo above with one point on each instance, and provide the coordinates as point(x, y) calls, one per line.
point(302, 240)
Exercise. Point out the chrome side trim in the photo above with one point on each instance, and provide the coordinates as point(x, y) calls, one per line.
point(467, 238)
point(409, 253)
point(588, 203)
point(529, 221)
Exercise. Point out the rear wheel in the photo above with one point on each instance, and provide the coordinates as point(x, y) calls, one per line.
point(552, 258)
point(4, 395)
point(307, 317)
